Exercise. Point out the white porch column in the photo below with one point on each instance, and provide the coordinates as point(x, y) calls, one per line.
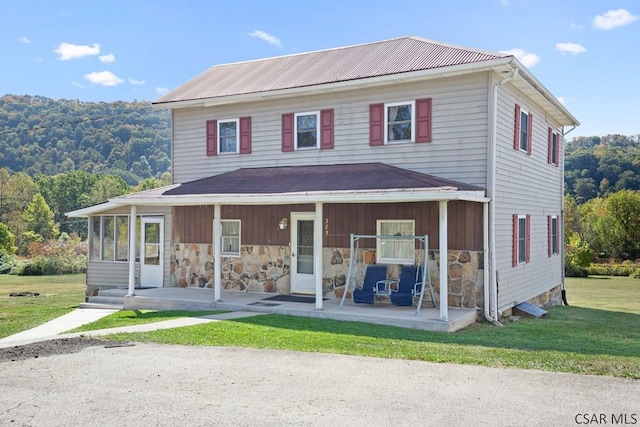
point(444, 287)
point(317, 250)
point(132, 251)
point(217, 260)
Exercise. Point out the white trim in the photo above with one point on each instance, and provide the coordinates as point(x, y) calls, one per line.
point(413, 122)
point(219, 137)
point(295, 130)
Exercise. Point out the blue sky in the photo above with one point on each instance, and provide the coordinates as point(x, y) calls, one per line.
point(586, 52)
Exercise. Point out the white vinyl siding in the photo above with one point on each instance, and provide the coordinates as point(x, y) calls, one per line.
point(525, 184)
point(459, 125)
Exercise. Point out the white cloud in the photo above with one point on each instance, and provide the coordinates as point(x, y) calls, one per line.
point(528, 59)
point(562, 100)
point(104, 78)
point(614, 19)
point(569, 47)
point(73, 51)
point(162, 90)
point(266, 37)
point(136, 82)
point(24, 40)
point(107, 58)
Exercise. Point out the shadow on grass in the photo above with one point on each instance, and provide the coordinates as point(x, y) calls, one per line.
point(565, 329)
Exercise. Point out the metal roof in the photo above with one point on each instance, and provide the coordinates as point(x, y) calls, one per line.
point(384, 58)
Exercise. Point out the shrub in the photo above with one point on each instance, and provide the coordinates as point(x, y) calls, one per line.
point(67, 255)
point(571, 270)
point(635, 274)
point(611, 269)
point(7, 263)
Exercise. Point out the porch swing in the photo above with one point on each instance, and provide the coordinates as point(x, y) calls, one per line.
point(412, 281)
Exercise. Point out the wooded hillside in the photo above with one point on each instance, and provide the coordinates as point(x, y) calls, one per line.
point(39, 135)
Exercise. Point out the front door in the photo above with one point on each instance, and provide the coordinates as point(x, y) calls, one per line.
point(303, 279)
point(151, 251)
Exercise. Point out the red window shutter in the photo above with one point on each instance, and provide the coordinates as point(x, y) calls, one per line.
point(516, 134)
point(549, 235)
point(326, 129)
point(514, 252)
point(212, 137)
point(245, 135)
point(550, 146)
point(528, 239)
point(376, 124)
point(530, 133)
point(423, 120)
point(287, 132)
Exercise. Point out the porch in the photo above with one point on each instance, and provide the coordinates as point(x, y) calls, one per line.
point(380, 314)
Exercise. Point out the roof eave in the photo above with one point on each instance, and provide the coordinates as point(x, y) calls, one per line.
point(361, 196)
point(405, 77)
point(92, 210)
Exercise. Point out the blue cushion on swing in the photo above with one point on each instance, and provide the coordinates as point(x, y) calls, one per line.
point(367, 294)
point(408, 285)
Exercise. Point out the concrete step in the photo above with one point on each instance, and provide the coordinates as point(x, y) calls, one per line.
point(115, 300)
point(103, 306)
point(114, 292)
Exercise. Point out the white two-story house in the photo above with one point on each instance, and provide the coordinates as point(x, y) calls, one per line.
point(277, 162)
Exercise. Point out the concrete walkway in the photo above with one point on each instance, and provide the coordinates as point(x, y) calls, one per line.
point(82, 316)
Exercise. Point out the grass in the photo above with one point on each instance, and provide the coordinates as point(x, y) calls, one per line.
point(59, 295)
point(597, 334)
point(137, 317)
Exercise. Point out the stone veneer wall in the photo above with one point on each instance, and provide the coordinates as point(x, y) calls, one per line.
point(266, 269)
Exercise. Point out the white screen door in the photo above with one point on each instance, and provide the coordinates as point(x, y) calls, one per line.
point(303, 279)
point(151, 252)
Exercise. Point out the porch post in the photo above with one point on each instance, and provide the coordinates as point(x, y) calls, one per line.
point(444, 287)
point(217, 261)
point(317, 250)
point(132, 251)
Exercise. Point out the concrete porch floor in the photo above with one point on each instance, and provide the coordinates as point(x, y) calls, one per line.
point(379, 313)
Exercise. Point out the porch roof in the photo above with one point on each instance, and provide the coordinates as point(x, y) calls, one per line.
point(343, 183)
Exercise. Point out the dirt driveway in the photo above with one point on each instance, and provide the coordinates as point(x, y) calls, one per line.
point(151, 384)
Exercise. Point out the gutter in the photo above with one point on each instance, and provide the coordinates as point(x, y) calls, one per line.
point(562, 249)
point(491, 283)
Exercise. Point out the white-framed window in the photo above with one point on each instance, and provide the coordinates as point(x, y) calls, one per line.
point(555, 152)
point(525, 138)
point(228, 131)
point(109, 238)
point(522, 239)
point(554, 236)
point(307, 130)
point(230, 237)
point(399, 122)
point(392, 250)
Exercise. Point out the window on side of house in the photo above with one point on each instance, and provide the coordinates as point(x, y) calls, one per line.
point(554, 148)
point(390, 250)
point(230, 238)
point(554, 235)
point(122, 238)
point(524, 131)
point(228, 136)
point(306, 130)
point(95, 245)
point(521, 239)
point(399, 120)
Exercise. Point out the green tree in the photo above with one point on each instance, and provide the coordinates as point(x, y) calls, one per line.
point(7, 241)
point(108, 186)
point(621, 224)
point(38, 219)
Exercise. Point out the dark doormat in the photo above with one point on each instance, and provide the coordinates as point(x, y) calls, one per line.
point(292, 298)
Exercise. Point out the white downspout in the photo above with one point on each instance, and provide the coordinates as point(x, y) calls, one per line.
point(494, 316)
point(562, 252)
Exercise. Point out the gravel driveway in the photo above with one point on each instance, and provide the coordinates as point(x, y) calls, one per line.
point(158, 385)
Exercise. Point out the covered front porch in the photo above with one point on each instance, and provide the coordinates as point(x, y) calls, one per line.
point(380, 314)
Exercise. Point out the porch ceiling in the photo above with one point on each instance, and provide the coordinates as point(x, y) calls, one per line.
point(361, 183)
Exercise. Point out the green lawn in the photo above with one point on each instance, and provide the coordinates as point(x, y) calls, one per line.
point(59, 295)
point(598, 334)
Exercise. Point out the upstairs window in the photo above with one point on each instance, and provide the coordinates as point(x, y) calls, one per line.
point(554, 234)
point(306, 130)
point(228, 136)
point(554, 148)
point(523, 135)
point(399, 119)
point(391, 249)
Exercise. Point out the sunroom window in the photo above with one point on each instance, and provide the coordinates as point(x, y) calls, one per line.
point(109, 238)
point(393, 249)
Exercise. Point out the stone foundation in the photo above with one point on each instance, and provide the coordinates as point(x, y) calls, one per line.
point(266, 269)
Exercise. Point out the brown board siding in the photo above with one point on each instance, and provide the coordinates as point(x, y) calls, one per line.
point(259, 224)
